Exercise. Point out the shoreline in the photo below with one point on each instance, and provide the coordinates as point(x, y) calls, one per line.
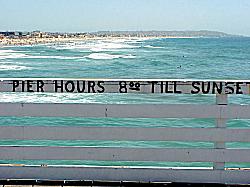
point(7, 42)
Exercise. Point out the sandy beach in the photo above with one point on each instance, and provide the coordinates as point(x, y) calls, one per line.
point(34, 41)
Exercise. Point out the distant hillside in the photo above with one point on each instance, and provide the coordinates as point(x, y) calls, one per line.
point(201, 33)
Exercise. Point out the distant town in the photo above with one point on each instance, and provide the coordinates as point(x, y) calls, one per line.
point(34, 37)
point(40, 34)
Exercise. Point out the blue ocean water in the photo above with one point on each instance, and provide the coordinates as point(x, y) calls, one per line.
point(198, 58)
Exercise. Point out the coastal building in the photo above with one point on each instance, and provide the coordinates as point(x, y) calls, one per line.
point(7, 33)
point(17, 33)
point(37, 34)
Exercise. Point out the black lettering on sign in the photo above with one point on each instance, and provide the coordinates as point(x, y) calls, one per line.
point(134, 86)
point(40, 85)
point(23, 85)
point(57, 86)
point(216, 88)
point(167, 88)
point(29, 86)
point(15, 84)
point(229, 89)
point(91, 86)
point(101, 87)
point(80, 87)
point(205, 87)
point(175, 88)
point(153, 83)
point(69, 86)
point(196, 88)
point(238, 88)
point(162, 86)
point(123, 87)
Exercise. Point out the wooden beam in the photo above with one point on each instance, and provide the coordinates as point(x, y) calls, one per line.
point(125, 110)
point(123, 154)
point(123, 133)
point(127, 174)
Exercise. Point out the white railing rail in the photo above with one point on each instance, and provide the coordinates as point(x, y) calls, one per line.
point(219, 135)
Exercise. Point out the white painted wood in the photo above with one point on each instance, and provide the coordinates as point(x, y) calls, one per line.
point(123, 154)
point(221, 111)
point(123, 133)
point(221, 124)
point(113, 85)
point(235, 111)
point(221, 99)
point(127, 174)
point(108, 110)
point(125, 110)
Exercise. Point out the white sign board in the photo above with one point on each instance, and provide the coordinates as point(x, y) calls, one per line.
point(155, 86)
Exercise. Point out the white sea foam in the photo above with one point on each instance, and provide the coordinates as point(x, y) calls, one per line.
point(105, 56)
point(108, 46)
point(53, 57)
point(93, 45)
point(47, 97)
point(8, 53)
point(70, 46)
point(9, 62)
point(153, 47)
point(96, 45)
point(13, 67)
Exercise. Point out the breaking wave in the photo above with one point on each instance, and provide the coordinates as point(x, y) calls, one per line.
point(105, 56)
point(97, 46)
point(11, 54)
point(153, 47)
point(13, 67)
point(4, 54)
point(55, 57)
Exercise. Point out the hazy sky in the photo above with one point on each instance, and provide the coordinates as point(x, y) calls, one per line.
point(231, 16)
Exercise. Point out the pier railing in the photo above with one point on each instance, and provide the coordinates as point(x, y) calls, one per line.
point(219, 134)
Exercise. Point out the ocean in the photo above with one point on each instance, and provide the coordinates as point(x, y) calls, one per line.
point(190, 58)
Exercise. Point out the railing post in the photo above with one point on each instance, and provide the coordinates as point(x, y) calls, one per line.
point(221, 99)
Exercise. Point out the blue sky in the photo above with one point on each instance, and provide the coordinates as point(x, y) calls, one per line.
point(231, 16)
